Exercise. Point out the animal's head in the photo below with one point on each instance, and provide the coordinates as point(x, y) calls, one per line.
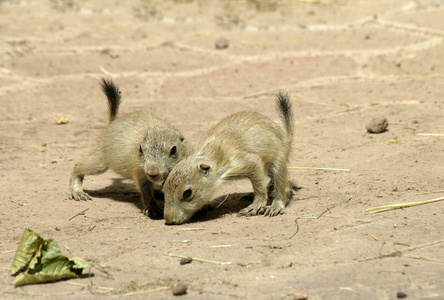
point(188, 188)
point(159, 152)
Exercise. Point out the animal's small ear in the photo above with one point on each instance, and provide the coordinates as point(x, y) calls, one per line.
point(204, 167)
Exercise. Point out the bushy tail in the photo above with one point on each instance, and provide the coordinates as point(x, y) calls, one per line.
point(286, 112)
point(113, 95)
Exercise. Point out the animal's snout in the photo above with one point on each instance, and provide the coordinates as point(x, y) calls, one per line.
point(172, 217)
point(171, 223)
point(152, 171)
point(169, 220)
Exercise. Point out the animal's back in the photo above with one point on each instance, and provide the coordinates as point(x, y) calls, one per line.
point(247, 131)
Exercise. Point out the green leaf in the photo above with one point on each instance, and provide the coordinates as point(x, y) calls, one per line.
point(42, 277)
point(41, 261)
point(50, 250)
point(58, 266)
point(80, 263)
point(28, 251)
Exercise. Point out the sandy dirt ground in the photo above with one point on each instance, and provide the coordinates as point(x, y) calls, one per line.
point(343, 63)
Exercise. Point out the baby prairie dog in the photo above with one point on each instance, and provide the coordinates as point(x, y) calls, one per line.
point(138, 146)
point(243, 145)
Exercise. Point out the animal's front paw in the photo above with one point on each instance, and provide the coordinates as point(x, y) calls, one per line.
point(251, 210)
point(274, 210)
point(79, 196)
point(153, 213)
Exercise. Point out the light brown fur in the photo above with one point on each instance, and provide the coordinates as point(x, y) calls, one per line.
point(244, 145)
point(137, 146)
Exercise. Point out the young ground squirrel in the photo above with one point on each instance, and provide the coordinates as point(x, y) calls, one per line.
point(244, 145)
point(138, 146)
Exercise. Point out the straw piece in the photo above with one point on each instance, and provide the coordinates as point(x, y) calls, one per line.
point(402, 244)
point(315, 168)
point(93, 286)
point(142, 292)
point(16, 202)
point(224, 200)
point(8, 251)
point(433, 192)
point(393, 142)
point(431, 134)
point(190, 229)
point(377, 209)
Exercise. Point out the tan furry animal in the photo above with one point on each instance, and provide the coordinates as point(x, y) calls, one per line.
point(138, 146)
point(244, 145)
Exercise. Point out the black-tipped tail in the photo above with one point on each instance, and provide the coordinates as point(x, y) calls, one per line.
point(286, 112)
point(113, 95)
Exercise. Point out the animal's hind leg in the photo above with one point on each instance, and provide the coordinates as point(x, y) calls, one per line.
point(259, 180)
point(90, 165)
point(281, 189)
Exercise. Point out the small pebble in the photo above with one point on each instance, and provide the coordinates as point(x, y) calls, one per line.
point(186, 260)
point(63, 121)
point(377, 125)
point(179, 289)
point(222, 43)
point(401, 295)
point(300, 296)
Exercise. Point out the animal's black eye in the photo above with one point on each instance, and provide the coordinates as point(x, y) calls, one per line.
point(173, 150)
point(187, 194)
point(140, 150)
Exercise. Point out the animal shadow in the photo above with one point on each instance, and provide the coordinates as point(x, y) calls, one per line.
point(117, 191)
point(233, 203)
point(226, 204)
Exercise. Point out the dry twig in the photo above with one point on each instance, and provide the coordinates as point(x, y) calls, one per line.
point(319, 215)
point(200, 259)
point(78, 214)
point(400, 253)
point(142, 292)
